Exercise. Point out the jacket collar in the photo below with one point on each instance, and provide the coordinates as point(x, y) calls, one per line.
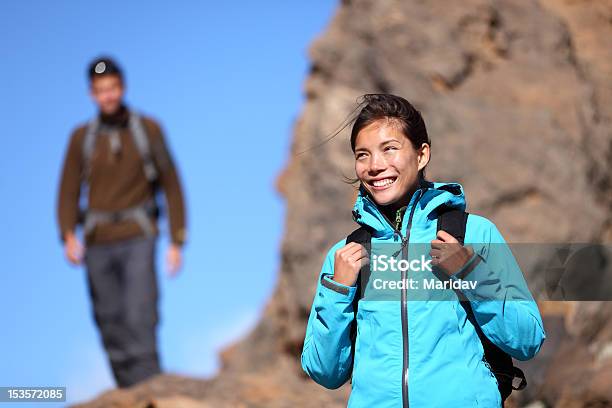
point(425, 200)
point(118, 119)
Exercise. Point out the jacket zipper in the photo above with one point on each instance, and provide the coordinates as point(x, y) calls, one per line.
point(404, 304)
point(398, 219)
point(404, 311)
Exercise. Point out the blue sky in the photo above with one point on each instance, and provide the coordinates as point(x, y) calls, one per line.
point(225, 81)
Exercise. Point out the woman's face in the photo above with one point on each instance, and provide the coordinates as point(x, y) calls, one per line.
point(386, 163)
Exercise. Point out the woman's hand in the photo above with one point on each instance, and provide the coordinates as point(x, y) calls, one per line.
point(448, 254)
point(348, 260)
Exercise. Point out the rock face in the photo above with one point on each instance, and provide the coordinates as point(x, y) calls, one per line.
point(517, 98)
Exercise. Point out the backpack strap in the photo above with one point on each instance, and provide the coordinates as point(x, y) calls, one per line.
point(142, 214)
point(142, 144)
point(499, 362)
point(139, 136)
point(453, 221)
point(89, 143)
point(363, 236)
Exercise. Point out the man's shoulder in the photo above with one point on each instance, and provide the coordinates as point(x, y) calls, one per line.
point(78, 132)
point(152, 126)
point(149, 120)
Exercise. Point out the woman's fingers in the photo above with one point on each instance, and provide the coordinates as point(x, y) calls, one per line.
point(446, 237)
point(359, 251)
point(348, 261)
point(436, 256)
point(353, 251)
point(439, 244)
point(351, 248)
point(365, 260)
point(435, 253)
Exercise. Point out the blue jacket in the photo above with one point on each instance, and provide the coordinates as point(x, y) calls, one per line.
point(434, 343)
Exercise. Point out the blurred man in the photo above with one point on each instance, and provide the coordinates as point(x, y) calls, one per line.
point(119, 160)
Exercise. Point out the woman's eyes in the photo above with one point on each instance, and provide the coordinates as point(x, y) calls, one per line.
point(385, 149)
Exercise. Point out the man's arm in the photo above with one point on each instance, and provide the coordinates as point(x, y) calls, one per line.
point(68, 197)
point(169, 181)
point(70, 185)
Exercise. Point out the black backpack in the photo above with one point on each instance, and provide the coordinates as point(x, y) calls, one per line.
point(499, 362)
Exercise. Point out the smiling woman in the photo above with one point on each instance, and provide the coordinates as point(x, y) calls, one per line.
point(435, 340)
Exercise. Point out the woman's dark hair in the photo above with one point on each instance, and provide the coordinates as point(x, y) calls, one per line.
point(395, 109)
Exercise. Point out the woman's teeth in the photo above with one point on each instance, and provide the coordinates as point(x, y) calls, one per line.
point(383, 182)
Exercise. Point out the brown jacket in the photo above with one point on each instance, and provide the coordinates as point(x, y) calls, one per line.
point(117, 181)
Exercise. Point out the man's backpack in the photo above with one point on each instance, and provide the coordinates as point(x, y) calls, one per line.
point(137, 130)
point(141, 213)
point(499, 362)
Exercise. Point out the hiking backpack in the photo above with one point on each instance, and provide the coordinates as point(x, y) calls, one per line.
point(139, 136)
point(141, 213)
point(499, 362)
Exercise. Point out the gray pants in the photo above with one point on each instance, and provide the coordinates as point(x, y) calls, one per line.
point(123, 288)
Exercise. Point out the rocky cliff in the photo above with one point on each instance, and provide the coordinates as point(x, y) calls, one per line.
point(517, 97)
